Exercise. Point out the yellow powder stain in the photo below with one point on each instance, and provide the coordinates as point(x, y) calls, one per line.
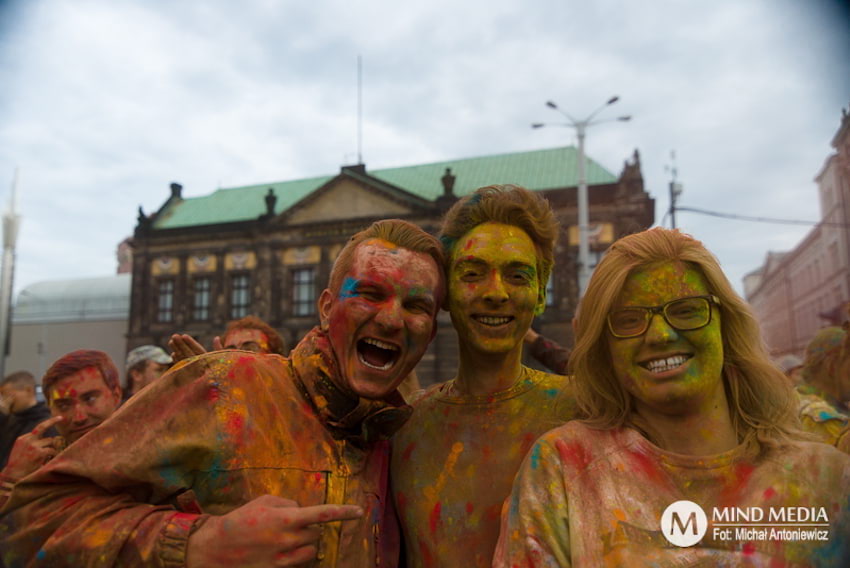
point(448, 469)
point(619, 515)
point(108, 441)
point(238, 393)
point(96, 539)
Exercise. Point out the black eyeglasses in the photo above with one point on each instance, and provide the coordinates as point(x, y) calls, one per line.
point(684, 314)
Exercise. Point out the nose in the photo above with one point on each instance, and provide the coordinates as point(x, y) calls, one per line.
point(495, 293)
point(659, 331)
point(78, 415)
point(389, 317)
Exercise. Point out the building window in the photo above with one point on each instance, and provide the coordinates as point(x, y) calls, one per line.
point(304, 291)
point(201, 302)
point(240, 295)
point(165, 301)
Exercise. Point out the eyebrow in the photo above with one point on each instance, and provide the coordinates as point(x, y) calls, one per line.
point(481, 262)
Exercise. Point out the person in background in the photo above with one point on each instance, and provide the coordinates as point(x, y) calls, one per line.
point(248, 334)
point(454, 461)
point(825, 386)
point(22, 411)
point(144, 365)
point(241, 459)
point(681, 403)
point(553, 356)
point(82, 390)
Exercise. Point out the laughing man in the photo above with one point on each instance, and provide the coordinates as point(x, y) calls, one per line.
point(241, 459)
point(455, 460)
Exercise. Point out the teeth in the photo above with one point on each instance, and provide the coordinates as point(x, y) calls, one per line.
point(381, 344)
point(662, 365)
point(370, 365)
point(493, 320)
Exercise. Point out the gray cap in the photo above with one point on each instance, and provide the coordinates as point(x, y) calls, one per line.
point(147, 352)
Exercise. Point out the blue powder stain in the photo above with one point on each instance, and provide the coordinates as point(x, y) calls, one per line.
point(349, 288)
point(535, 456)
point(551, 393)
point(41, 555)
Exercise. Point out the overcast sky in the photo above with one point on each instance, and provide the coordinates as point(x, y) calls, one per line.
point(103, 103)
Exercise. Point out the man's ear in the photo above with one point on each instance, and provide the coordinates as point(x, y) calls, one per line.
point(325, 303)
point(540, 306)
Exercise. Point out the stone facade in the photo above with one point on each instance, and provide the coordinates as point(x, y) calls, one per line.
point(195, 278)
point(796, 293)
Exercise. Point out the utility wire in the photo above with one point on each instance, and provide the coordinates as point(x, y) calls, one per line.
point(761, 219)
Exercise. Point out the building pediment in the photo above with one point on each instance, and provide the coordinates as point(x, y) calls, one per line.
point(353, 195)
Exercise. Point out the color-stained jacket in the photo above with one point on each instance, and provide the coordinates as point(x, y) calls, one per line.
point(455, 460)
point(214, 433)
point(17, 424)
point(586, 497)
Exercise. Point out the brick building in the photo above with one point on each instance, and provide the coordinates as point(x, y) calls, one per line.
point(267, 249)
point(798, 292)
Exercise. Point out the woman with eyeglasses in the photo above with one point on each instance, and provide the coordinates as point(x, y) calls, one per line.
point(690, 453)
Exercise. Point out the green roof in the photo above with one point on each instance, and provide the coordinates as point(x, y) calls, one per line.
point(537, 170)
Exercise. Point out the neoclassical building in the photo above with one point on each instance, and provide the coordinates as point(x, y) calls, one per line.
point(267, 249)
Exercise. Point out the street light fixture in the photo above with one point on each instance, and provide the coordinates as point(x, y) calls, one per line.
point(583, 215)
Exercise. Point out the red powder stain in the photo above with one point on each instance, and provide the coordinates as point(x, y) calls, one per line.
point(486, 452)
point(319, 477)
point(425, 555)
point(212, 394)
point(527, 442)
point(434, 517)
point(469, 508)
point(405, 455)
point(573, 454)
point(769, 493)
point(748, 548)
point(646, 465)
point(235, 424)
point(738, 480)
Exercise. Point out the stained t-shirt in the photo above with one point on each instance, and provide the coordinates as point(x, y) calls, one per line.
point(586, 497)
point(455, 459)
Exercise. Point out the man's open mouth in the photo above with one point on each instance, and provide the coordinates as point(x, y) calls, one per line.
point(492, 320)
point(665, 363)
point(377, 354)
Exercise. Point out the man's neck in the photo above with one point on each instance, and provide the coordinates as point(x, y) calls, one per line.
point(481, 374)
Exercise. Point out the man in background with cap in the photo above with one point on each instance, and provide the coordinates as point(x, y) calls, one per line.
point(145, 364)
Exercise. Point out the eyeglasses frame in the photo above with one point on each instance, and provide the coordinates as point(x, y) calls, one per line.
point(659, 310)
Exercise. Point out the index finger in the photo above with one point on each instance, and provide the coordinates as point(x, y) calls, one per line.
point(43, 427)
point(317, 514)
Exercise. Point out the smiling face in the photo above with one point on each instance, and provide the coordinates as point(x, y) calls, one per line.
point(85, 401)
point(382, 319)
point(494, 288)
point(666, 370)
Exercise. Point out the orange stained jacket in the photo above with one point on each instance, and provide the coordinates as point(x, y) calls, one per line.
point(230, 426)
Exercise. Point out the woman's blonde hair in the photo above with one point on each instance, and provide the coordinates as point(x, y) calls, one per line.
point(762, 404)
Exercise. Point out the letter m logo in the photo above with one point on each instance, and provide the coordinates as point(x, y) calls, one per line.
point(677, 522)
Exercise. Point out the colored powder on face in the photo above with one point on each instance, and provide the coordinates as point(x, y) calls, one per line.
point(348, 288)
point(551, 393)
point(769, 493)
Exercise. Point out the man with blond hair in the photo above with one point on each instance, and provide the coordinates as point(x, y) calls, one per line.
point(454, 461)
point(240, 459)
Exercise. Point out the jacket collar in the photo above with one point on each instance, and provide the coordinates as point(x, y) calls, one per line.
point(345, 414)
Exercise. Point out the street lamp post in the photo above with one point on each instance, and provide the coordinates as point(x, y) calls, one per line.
point(11, 220)
point(583, 207)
